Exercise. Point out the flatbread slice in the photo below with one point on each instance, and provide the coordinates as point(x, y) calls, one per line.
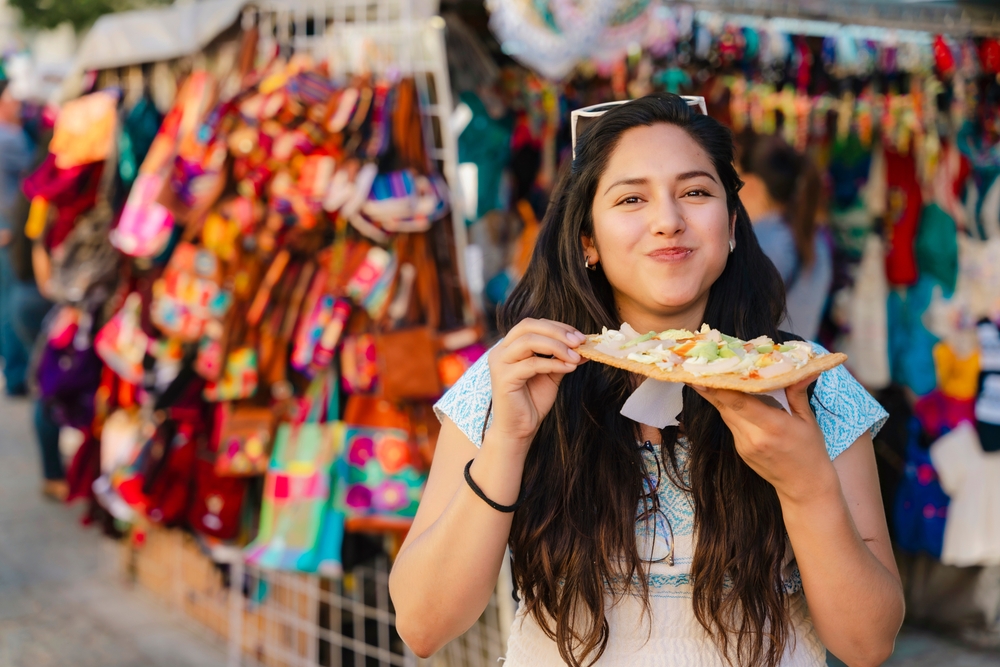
point(733, 381)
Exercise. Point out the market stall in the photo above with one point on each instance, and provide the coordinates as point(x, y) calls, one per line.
point(899, 109)
point(263, 292)
point(260, 298)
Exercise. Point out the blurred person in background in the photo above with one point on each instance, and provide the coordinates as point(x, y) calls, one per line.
point(16, 156)
point(30, 307)
point(781, 193)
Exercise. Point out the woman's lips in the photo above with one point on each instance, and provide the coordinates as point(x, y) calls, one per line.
point(671, 254)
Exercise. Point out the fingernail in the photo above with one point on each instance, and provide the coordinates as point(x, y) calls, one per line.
point(574, 355)
point(578, 337)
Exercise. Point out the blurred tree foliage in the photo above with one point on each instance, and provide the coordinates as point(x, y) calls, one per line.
point(81, 13)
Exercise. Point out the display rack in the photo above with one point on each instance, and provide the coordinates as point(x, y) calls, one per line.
point(404, 37)
point(282, 619)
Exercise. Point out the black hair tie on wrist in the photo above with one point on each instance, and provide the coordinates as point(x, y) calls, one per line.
point(479, 492)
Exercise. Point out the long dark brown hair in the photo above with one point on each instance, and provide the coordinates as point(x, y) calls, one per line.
point(574, 539)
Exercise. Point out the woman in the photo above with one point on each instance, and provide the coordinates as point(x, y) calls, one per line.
point(678, 551)
point(781, 195)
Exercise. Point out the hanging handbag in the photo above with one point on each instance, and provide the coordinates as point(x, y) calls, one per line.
point(122, 344)
point(380, 478)
point(85, 262)
point(359, 365)
point(216, 507)
point(85, 130)
point(297, 532)
point(407, 356)
point(69, 370)
point(243, 439)
point(145, 225)
point(189, 295)
point(121, 434)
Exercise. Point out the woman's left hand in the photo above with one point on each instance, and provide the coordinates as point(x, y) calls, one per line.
point(785, 448)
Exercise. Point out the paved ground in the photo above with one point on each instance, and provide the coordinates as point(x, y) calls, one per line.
point(64, 604)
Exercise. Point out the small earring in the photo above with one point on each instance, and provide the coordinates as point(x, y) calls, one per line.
point(732, 245)
point(587, 265)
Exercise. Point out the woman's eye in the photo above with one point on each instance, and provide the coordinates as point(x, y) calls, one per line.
point(630, 200)
point(700, 193)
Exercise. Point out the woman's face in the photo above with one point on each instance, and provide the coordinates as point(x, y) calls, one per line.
point(661, 227)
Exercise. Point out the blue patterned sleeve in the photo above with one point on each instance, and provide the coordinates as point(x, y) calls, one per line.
point(468, 401)
point(844, 409)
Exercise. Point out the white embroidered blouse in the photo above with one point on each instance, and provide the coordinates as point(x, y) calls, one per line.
point(673, 635)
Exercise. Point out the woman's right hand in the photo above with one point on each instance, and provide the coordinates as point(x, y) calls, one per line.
point(525, 371)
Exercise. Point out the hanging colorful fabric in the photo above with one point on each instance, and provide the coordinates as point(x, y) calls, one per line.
point(380, 478)
point(921, 507)
point(297, 532)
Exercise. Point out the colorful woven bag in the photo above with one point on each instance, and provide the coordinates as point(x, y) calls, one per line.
point(297, 529)
point(380, 477)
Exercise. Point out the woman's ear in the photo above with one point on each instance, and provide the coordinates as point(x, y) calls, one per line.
point(590, 254)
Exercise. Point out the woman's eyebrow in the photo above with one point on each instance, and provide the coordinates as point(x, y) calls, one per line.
point(627, 181)
point(688, 175)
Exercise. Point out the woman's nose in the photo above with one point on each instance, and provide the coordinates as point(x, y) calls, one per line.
point(666, 217)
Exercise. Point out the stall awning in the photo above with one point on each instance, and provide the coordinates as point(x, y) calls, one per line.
point(151, 35)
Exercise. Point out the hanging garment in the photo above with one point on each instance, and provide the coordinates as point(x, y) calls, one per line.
point(138, 131)
point(988, 398)
point(972, 478)
point(982, 195)
point(958, 377)
point(868, 344)
point(979, 277)
point(486, 143)
point(911, 345)
point(937, 246)
point(850, 164)
point(902, 215)
point(921, 504)
point(939, 414)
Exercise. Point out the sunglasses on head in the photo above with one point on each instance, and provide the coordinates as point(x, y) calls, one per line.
point(581, 118)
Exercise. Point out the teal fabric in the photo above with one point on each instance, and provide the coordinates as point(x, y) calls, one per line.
point(937, 246)
point(486, 142)
point(138, 131)
point(911, 345)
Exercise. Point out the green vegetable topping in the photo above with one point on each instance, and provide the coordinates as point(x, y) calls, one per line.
point(765, 349)
point(706, 349)
point(641, 339)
